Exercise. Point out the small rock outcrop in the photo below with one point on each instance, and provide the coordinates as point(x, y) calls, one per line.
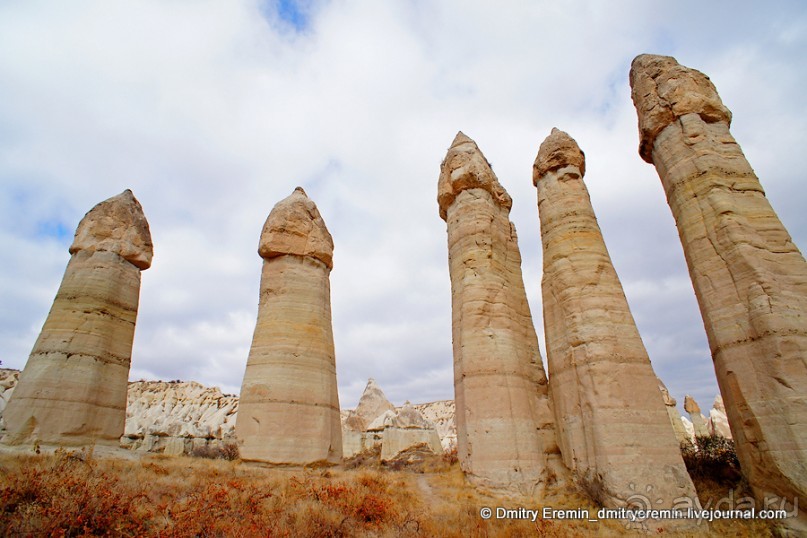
point(695, 416)
point(289, 409)
point(372, 404)
point(8, 380)
point(672, 412)
point(376, 422)
point(505, 428)
point(178, 417)
point(718, 422)
point(72, 391)
point(613, 427)
point(408, 428)
point(749, 277)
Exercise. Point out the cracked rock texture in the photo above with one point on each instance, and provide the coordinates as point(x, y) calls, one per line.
point(613, 426)
point(749, 277)
point(289, 408)
point(178, 417)
point(505, 428)
point(73, 388)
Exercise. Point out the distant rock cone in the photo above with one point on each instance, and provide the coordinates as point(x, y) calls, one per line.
point(73, 388)
point(505, 428)
point(372, 404)
point(749, 277)
point(614, 431)
point(289, 407)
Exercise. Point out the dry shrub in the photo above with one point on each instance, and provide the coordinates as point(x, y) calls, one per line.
point(712, 457)
point(67, 494)
point(223, 451)
point(369, 457)
point(76, 494)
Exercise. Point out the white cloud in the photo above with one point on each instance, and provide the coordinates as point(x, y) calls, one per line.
point(212, 112)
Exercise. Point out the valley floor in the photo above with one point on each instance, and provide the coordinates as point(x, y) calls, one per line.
point(78, 493)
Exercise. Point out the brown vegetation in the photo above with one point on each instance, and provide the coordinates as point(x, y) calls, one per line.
point(80, 494)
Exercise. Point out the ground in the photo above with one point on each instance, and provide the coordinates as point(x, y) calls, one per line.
point(78, 493)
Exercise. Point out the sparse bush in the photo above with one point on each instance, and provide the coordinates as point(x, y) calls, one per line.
point(79, 494)
point(712, 457)
point(224, 451)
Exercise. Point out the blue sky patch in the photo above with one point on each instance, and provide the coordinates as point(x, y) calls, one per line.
point(292, 12)
point(53, 229)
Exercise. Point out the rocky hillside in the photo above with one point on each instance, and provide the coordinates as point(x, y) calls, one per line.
point(179, 417)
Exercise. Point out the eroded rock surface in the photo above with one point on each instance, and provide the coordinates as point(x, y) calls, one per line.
point(672, 411)
point(376, 422)
point(613, 426)
point(181, 417)
point(505, 428)
point(695, 416)
point(73, 388)
point(749, 277)
point(289, 409)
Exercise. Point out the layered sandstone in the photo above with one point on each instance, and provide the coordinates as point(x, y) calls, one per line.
point(289, 408)
point(73, 388)
point(749, 277)
point(613, 427)
point(505, 428)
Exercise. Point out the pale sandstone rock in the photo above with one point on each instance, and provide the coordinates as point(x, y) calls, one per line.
point(73, 388)
point(718, 422)
point(8, 380)
point(613, 427)
point(441, 414)
point(408, 428)
point(749, 277)
point(158, 412)
point(505, 429)
point(689, 428)
point(289, 408)
point(672, 413)
point(695, 415)
point(376, 422)
point(372, 404)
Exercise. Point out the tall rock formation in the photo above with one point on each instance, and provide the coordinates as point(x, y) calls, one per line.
point(613, 427)
point(749, 277)
point(73, 388)
point(698, 420)
point(672, 413)
point(718, 422)
point(505, 428)
point(289, 407)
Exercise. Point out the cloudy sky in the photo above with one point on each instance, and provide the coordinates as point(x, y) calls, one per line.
point(213, 111)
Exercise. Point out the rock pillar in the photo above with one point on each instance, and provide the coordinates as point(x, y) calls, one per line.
point(289, 407)
point(698, 420)
point(505, 429)
point(613, 427)
point(73, 389)
point(749, 277)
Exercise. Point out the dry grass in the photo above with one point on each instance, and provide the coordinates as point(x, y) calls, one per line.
point(78, 494)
